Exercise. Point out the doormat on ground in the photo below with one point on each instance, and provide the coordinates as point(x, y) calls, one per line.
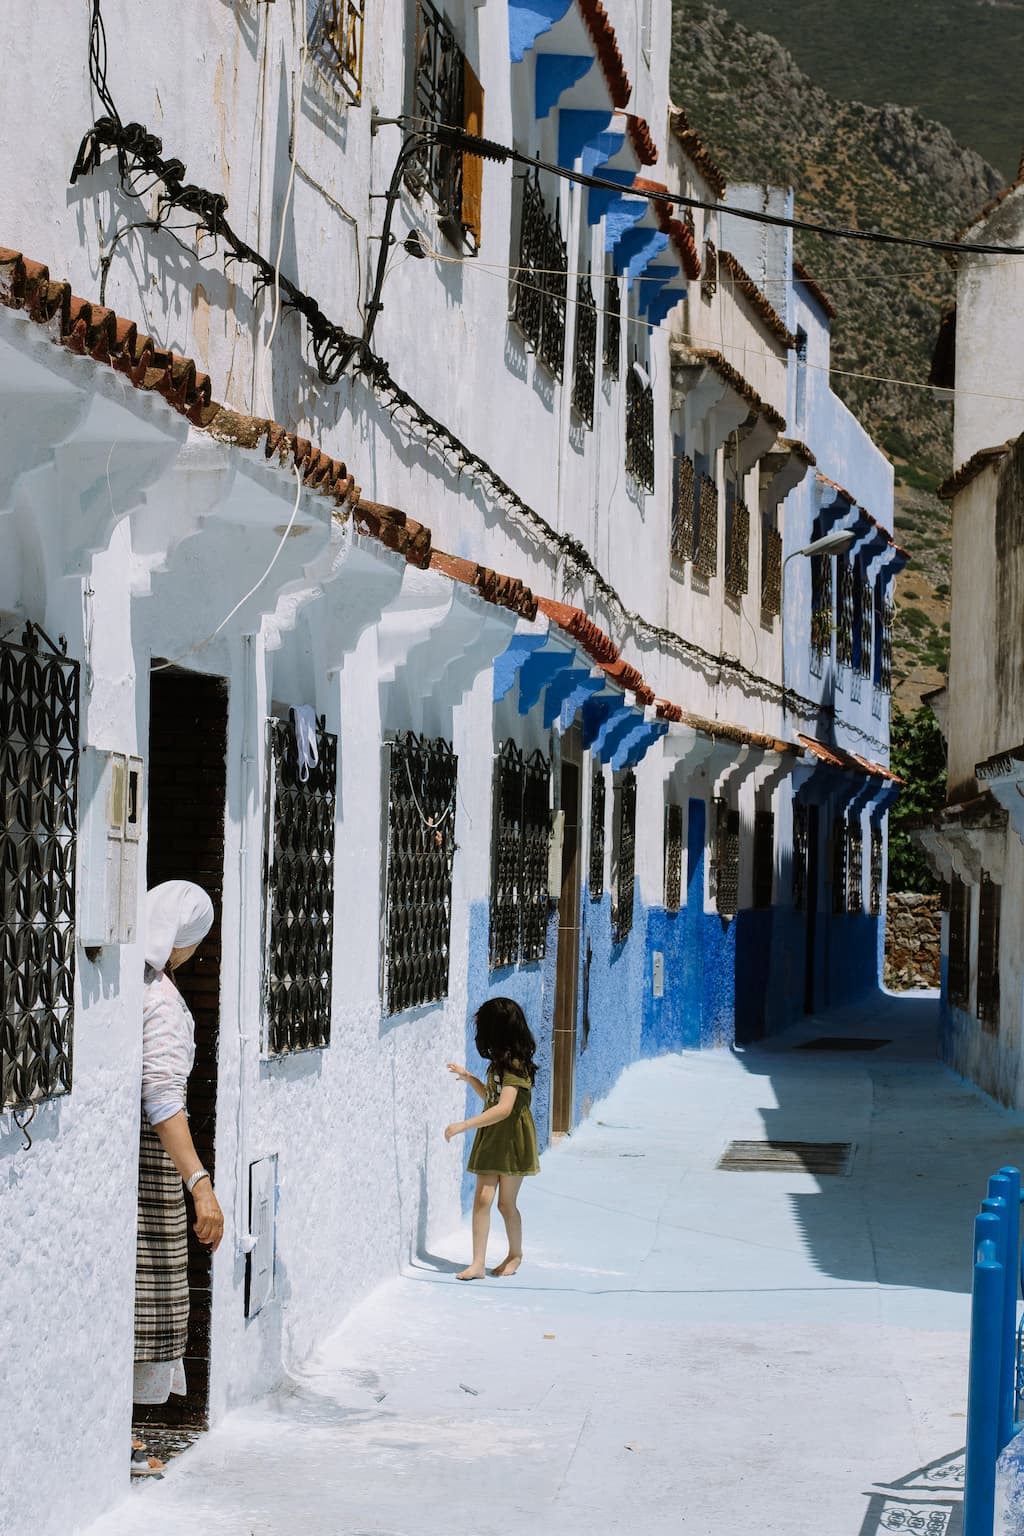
point(818, 1157)
point(843, 1043)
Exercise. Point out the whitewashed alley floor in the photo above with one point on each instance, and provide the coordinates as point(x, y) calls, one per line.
point(723, 1354)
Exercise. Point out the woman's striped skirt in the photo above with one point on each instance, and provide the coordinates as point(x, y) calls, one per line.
point(161, 1273)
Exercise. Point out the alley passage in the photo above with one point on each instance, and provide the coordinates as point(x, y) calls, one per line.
point(685, 1349)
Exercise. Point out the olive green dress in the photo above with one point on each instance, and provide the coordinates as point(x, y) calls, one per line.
point(510, 1147)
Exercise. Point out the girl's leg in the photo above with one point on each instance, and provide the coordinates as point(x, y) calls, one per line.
point(508, 1190)
point(486, 1186)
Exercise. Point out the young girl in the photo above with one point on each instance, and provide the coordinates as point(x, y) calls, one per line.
point(505, 1147)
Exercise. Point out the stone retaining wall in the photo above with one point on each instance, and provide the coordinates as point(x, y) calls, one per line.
point(913, 941)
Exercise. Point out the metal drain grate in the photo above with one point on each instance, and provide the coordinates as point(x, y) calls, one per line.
point(817, 1157)
point(843, 1043)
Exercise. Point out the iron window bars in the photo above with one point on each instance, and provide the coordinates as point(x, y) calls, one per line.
point(844, 611)
point(989, 902)
point(821, 608)
point(958, 974)
point(839, 851)
point(709, 271)
point(612, 325)
point(854, 865)
point(624, 877)
point(726, 863)
point(705, 560)
point(801, 821)
point(683, 510)
point(39, 693)
point(584, 364)
point(597, 818)
point(673, 857)
point(764, 857)
point(771, 569)
point(421, 775)
point(867, 652)
point(335, 36)
point(737, 559)
point(519, 858)
point(539, 286)
point(300, 892)
point(445, 90)
point(877, 870)
point(885, 667)
point(639, 429)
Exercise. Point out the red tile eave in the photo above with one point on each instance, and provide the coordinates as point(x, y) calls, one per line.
point(602, 34)
point(970, 469)
point(696, 151)
point(642, 139)
point(503, 591)
point(993, 203)
point(762, 307)
point(814, 288)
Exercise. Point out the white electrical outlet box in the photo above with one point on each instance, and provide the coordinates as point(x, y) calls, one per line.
point(262, 1219)
point(555, 842)
point(110, 794)
point(658, 972)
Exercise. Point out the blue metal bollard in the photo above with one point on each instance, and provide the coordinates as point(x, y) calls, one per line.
point(1002, 1196)
point(983, 1381)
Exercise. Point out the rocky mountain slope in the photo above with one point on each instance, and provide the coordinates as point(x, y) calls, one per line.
point(886, 168)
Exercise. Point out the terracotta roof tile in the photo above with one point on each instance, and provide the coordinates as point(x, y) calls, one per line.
point(667, 711)
point(679, 232)
point(971, 469)
point(642, 139)
point(598, 646)
point(801, 273)
point(503, 591)
point(696, 151)
point(766, 312)
point(732, 376)
point(992, 204)
point(799, 450)
point(606, 45)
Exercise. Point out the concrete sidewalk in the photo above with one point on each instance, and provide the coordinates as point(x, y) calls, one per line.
point(684, 1349)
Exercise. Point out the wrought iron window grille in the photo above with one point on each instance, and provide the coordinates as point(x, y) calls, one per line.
point(639, 428)
point(539, 287)
point(844, 611)
point(519, 858)
point(420, 777)
point(335, 37)
point(738, 552)
point(624, 873)
point(764, 857)
point(584, 367)
point(867, 650)
point(821, 609)
point(989, 903)
point(705, 560)
point(885, 668)
point(612, 325)
point(673, 857)
point(839, 851)
point(877, 870)
point(958, 975)
point(439, 96)
point(854, 866)
point(39, 728)
point(597, 820)
point(299, 892)
point(683, 522)
point(709, 271)
point(771, 569)
point(726, 863)
point(800, 848)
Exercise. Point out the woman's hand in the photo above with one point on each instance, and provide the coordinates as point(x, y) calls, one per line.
point(209, 1224)
point(455, 1129)
point(462, 1072)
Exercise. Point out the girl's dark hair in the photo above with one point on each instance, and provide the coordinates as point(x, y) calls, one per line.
point(503, 1037)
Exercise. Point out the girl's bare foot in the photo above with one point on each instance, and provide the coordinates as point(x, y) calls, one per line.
point(474, 1272)
point(509, 1265)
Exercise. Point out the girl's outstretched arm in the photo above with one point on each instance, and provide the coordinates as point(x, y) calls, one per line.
point(501, 1111)
point(467, 1077)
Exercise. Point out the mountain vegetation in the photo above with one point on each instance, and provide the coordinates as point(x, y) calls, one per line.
point(871, 168)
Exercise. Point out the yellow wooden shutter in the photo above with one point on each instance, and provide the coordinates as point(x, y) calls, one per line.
point(472, 165)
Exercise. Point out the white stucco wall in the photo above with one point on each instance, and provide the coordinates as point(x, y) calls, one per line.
point(989, 357)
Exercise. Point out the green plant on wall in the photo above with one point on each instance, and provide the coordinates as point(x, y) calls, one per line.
point(919, 757)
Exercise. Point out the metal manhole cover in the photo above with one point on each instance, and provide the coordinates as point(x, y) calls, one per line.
point(818, 1157)
point(843, 1043)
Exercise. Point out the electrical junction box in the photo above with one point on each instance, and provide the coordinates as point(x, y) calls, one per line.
point(110, 796)
point(555, 842)
point(658, 972)
point(259, 1278)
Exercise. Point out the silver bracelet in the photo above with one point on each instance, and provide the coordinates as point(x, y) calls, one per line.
point(193, 1178)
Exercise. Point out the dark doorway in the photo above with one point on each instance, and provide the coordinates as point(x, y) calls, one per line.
point(810, 954)
point(187, 779)
point(563, 1063)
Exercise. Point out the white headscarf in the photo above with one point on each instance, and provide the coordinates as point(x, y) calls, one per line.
point(178, 913)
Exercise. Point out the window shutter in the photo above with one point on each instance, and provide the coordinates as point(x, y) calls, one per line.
point(472, 165)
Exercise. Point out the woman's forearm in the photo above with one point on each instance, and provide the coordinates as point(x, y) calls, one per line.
point(176, 1140)
point(488, 1117)
point(477, 1086)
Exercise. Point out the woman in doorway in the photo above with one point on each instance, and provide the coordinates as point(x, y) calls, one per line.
point(505, 1146)
point(178, 917)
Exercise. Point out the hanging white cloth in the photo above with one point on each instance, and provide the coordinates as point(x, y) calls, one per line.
point(304, 721)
